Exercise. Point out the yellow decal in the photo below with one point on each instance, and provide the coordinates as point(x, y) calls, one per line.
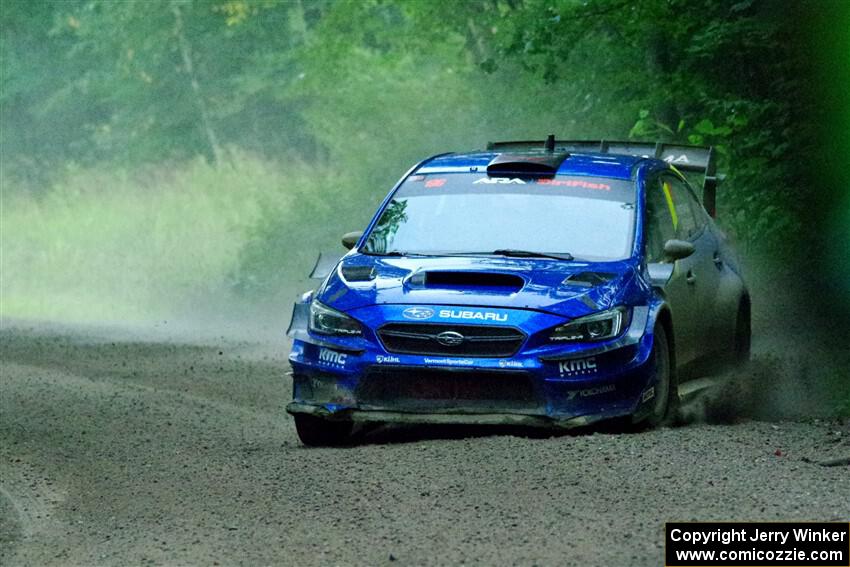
point(673, 215)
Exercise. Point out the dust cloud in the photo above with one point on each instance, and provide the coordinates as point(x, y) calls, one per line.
point(798, 368)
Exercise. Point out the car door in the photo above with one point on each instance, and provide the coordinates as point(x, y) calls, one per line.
point(664, 223)
point(720, 300)
point(703, 273)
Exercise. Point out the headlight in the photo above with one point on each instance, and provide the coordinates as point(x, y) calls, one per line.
point(327, 321)
point(596, 327)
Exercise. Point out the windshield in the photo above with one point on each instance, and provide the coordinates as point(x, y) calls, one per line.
point(590, 218)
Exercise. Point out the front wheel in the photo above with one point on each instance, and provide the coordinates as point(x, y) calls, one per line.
point(317, 432)
point(665, 401)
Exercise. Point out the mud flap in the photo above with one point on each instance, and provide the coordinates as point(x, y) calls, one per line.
point(300, 319)
point(325, 263)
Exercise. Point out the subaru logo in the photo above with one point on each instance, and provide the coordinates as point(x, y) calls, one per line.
point(449, 338)
point(418, 313)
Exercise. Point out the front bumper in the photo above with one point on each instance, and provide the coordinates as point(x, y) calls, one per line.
point(567, 387)
point(384, 416)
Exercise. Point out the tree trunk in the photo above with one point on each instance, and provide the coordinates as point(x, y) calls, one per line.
point(658, 67)
point(186, 54)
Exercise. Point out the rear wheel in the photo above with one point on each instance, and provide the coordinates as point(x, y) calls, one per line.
point(743, 333)
point(665, 402)
point(317, 432)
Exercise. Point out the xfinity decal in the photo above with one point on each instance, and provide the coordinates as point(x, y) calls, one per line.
point(578, 366)
point(477, 315)
point(329, 357)
point(417, 313)
point(587, 392)
point(381, 359)
point(499, 180)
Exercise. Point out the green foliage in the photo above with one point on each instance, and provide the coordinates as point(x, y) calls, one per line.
point(338, 98)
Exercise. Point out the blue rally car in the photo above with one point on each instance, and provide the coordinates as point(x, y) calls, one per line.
point(552, 283)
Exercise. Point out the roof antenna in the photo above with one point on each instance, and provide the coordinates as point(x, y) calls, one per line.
point(550, 143)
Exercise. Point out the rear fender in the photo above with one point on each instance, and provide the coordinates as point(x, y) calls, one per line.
point(728, 298)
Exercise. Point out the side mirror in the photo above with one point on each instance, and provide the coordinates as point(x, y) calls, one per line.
point(661, 272)
point(677, 249)
point(349, 239)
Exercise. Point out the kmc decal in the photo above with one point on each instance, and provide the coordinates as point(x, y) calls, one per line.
point(578, 366)
point(332, 358)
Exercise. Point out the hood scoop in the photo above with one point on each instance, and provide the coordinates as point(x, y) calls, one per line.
point(588, 279)
point(481, 282)
point(358, 273)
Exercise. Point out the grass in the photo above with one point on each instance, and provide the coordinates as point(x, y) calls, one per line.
point(117, 246)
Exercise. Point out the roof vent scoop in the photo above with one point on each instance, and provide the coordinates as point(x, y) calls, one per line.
point(526, 164)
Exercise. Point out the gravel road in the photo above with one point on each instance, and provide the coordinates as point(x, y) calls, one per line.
point(128, 450)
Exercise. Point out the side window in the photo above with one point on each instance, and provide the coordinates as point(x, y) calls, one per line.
point(700, 214)
point(659, 221)
point(678, 200)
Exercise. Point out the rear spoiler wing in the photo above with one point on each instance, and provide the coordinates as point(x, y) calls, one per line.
point(687, 158)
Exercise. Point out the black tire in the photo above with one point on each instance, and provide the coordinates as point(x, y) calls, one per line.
point(666, 401)
point(317, 432)
point(743, 333)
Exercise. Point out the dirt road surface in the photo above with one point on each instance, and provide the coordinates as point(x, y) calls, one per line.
point(119, 450)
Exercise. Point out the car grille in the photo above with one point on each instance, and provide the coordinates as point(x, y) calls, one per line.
point(427, 388)
point(482, 341)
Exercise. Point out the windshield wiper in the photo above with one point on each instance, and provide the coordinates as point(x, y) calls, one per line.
point(511, 252)
point(388, 253)
point(395, 253)
point(529, 254)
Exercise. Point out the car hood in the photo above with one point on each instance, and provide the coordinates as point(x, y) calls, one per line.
point(567, 288)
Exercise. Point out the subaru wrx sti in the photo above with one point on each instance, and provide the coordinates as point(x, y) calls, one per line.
point(550, 284)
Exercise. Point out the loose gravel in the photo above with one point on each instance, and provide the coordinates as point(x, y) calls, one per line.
point(134, 451)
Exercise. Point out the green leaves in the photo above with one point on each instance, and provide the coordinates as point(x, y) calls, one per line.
point(648, 127)
point(373, 85)
point(706, 127)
